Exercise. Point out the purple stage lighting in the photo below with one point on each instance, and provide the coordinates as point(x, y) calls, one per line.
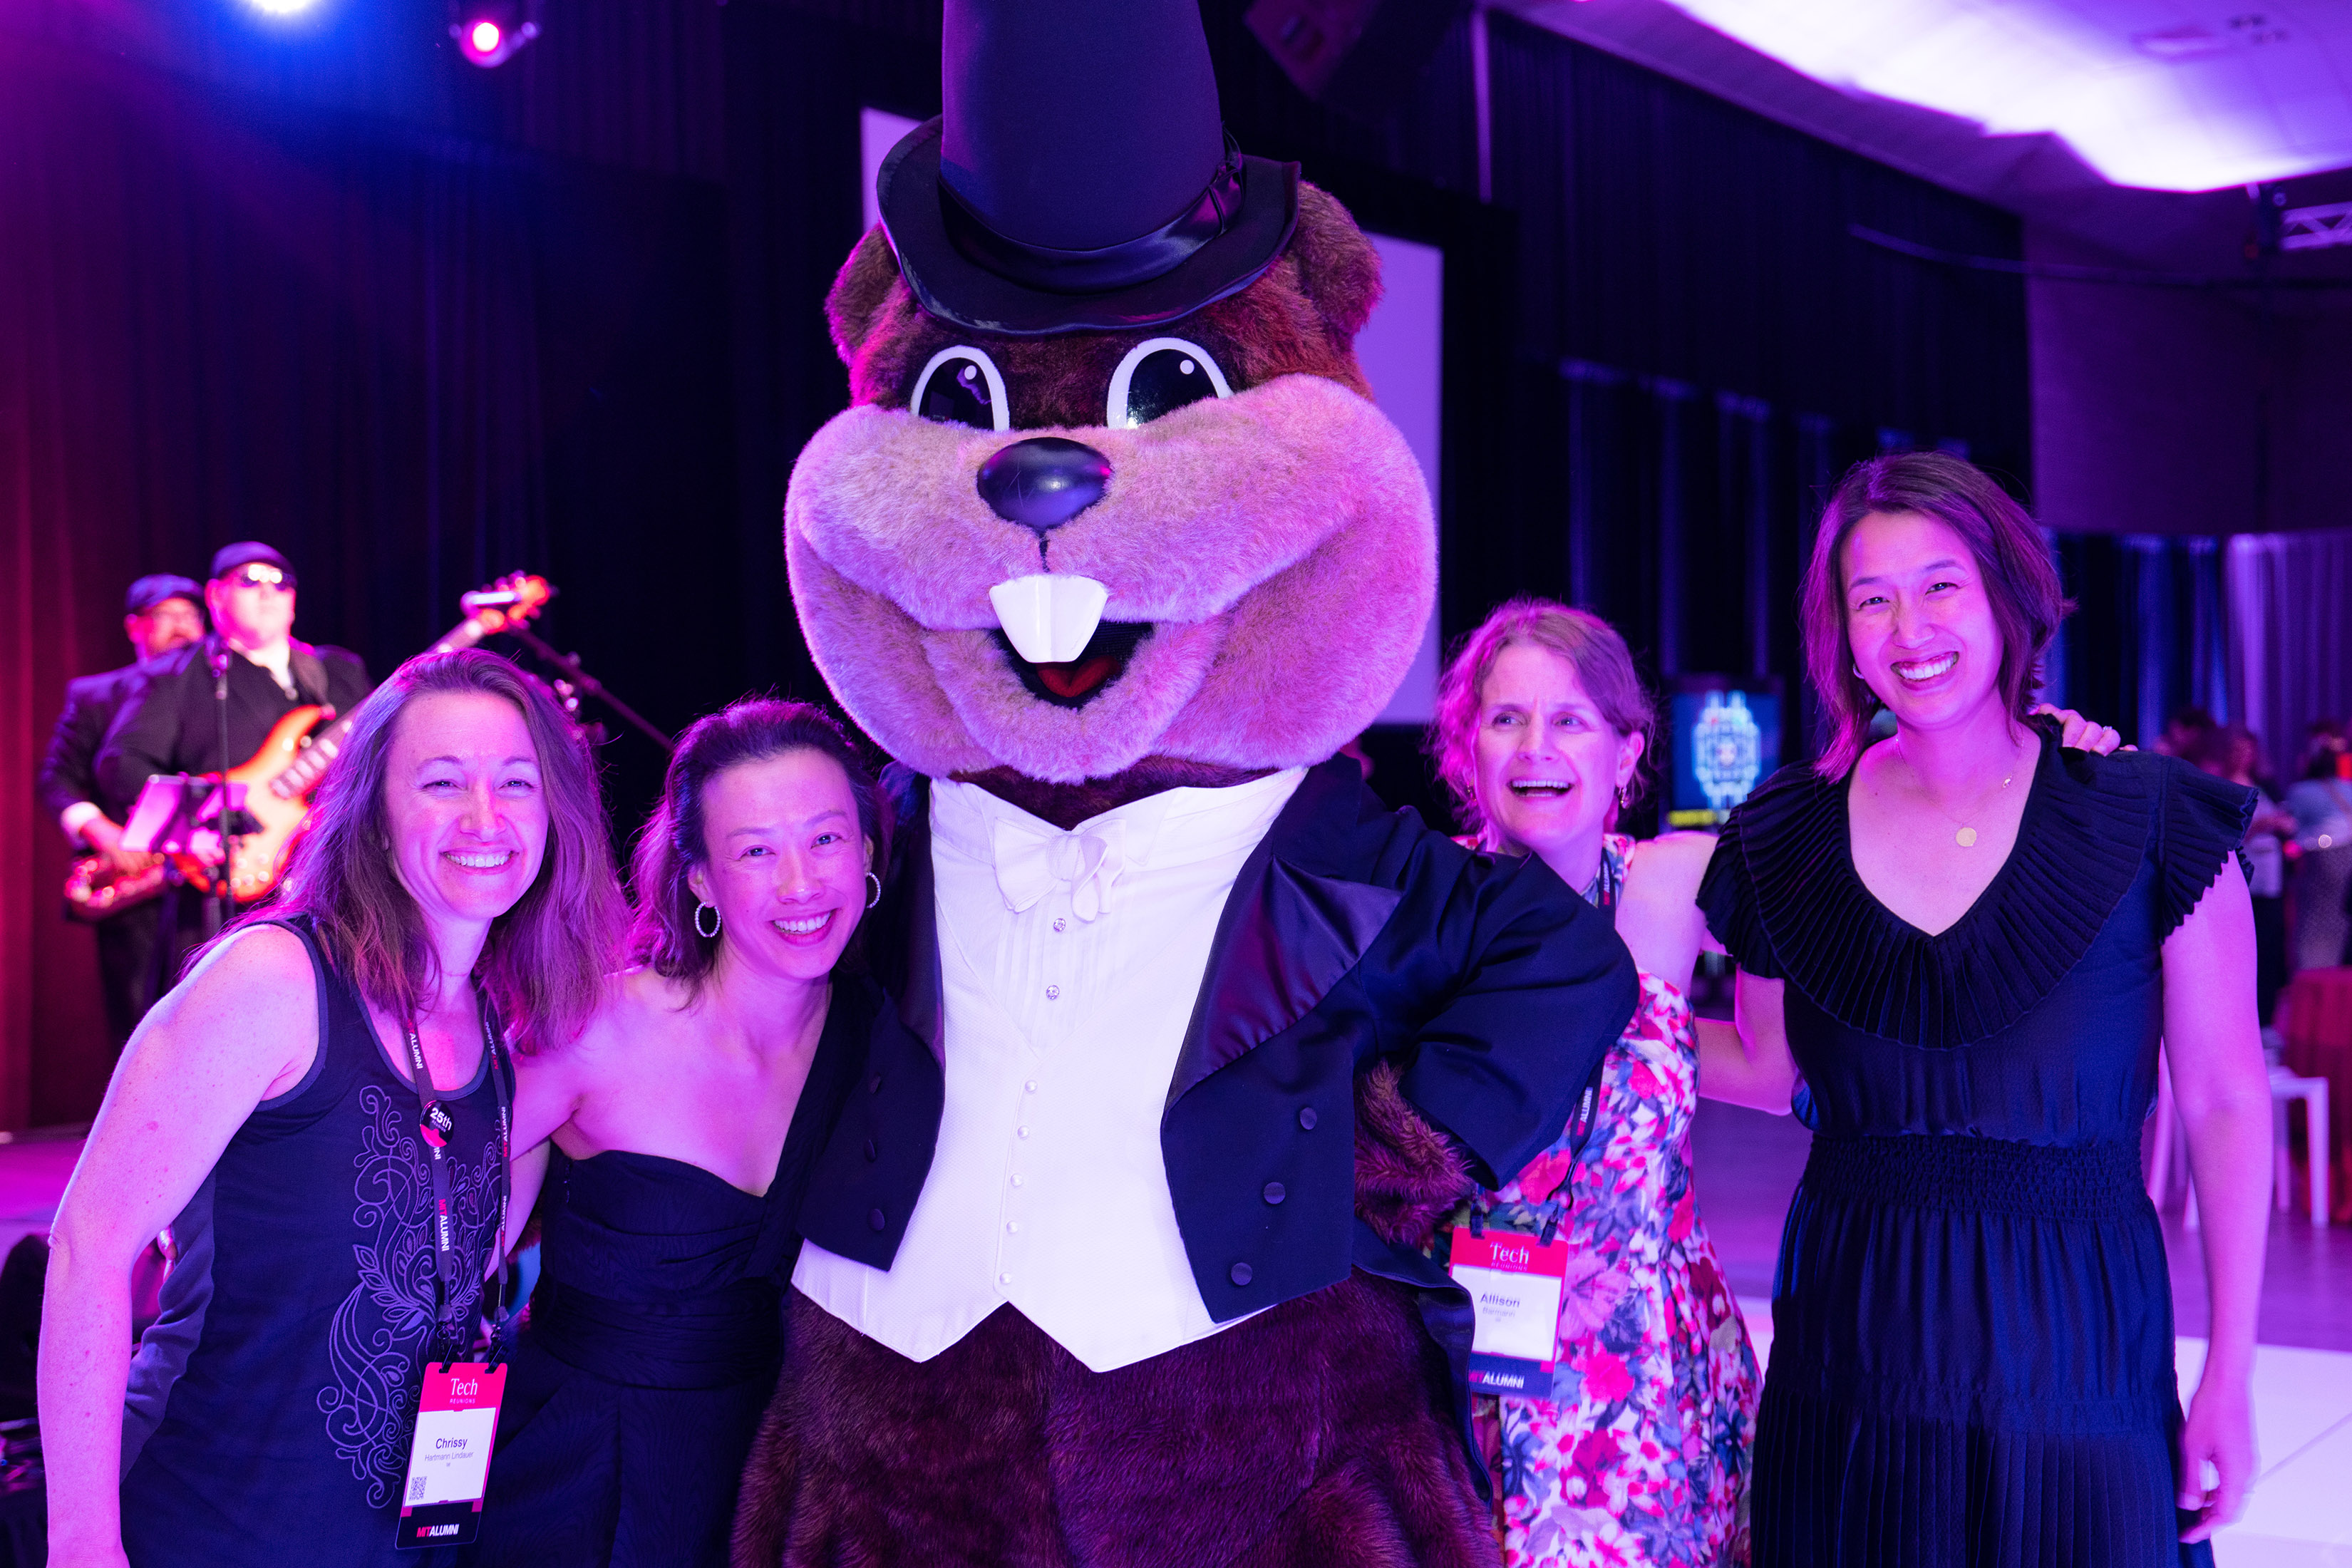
point(488, 32)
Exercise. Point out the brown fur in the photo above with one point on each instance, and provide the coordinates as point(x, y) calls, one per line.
point(1067, 805)
point(1313, 1435)
point(1408, 1175)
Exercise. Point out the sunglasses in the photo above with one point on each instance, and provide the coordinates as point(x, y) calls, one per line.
point(261, 576)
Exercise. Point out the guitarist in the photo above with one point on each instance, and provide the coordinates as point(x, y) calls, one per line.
point(170, 722)
point(159, 614)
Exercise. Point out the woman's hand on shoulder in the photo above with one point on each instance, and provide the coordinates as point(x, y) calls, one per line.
point(2081, 734)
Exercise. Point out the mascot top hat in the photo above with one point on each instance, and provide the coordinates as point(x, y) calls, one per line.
point(1079, 177)
point(1112, 504)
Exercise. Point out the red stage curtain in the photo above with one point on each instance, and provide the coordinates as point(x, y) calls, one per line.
point(213, 327)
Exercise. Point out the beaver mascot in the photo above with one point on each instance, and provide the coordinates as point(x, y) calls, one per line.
point(1118, 1254)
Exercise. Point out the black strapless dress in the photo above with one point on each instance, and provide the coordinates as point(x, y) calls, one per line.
point(652, 1343)
point(1972, 1356)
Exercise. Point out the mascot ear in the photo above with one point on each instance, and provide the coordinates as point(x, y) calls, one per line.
point(853, 309)
point(1337, 267)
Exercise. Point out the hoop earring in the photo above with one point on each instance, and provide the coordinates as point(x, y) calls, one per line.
point(717, 921)
point(876, 897)
point(1859, 675)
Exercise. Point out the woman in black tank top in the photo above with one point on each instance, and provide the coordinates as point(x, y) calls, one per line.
point(453, 885)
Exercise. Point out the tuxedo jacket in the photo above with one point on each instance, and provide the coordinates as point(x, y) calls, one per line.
point(168, 724)
point(1352, 934)
point(69, 767)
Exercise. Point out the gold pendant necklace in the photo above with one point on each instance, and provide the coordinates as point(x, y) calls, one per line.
point(1966, 836)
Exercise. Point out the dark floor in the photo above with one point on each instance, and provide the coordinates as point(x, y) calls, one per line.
point(1748, 1164)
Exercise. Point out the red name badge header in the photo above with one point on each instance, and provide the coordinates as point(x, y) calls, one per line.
point(465, 1386)
point(1510, 1252)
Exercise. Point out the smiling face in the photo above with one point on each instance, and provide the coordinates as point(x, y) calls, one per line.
point(1549, 763)
point(1065, 555)
point(1919, 621)
point(462, 807)
point(783, 863)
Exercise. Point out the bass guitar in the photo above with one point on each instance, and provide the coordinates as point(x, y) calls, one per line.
point(280, 778)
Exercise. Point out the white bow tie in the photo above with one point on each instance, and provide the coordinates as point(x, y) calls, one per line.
point(1032, 862)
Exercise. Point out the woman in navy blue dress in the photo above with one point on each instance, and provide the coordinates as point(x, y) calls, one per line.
point(1958, 949)
point(684, 1122)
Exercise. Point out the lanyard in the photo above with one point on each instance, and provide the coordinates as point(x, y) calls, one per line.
point(435, 1127)
point(1601, 891)
point(1601, 894)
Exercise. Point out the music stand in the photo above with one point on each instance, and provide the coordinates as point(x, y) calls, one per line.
point(167, 819)
point(179, 814)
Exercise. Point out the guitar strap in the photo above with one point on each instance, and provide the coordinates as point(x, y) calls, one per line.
point(309, 673)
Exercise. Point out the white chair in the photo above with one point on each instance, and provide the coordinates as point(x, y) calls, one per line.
point(2168, 1146)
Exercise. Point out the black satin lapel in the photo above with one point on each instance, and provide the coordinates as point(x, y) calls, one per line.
point(1296, 935)
point(908, 955)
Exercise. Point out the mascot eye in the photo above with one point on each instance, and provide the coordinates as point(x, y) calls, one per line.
point(1160, 376)
point(962, 387)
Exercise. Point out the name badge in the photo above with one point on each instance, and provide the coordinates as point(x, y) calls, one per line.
point(449, 1462)
point(1515, 1283)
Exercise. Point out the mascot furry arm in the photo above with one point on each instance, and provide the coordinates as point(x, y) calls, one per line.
point(1113, 551)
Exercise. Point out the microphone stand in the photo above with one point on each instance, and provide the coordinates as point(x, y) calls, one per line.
point(581, 679)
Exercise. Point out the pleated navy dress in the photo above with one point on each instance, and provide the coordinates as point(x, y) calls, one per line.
point(653, 1343)
point(1972, 1357)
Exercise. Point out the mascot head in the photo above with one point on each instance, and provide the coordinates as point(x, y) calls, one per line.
point(1111, 500)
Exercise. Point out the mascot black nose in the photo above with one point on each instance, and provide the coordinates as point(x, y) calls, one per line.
point(1044, 483)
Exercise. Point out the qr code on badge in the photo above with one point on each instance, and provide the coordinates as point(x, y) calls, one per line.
point(416, 1488)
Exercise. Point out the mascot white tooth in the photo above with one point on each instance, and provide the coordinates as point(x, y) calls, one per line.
point(1118, 1254)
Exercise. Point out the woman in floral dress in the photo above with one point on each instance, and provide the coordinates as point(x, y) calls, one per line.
point(1641, 1453)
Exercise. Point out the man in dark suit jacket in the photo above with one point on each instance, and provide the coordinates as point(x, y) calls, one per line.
point(170, 721)
point(159, 614)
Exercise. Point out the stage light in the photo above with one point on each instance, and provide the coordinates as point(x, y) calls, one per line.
point(281, 7)
point(488, 32)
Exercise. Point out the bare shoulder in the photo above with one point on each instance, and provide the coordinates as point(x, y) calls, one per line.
point(249, 1006)
point(638, 1006)
point(252, 976)
point(1670, 866)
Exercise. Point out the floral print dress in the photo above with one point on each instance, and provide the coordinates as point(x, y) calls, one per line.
point(1642, 1454)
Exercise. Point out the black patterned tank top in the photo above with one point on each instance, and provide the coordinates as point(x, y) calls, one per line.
point(270, 1407)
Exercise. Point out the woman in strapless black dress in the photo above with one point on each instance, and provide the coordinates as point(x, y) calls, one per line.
point(684, 1122)
point(1958, 949)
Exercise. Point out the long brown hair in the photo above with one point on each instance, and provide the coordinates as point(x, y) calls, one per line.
point(545, 959)
point(1601, 662)
point(663, 934)
point(2019, 579)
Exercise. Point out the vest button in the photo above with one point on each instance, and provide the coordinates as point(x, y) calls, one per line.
point(876, 1086)
point(1306, 1115)
point(871, 1154)
point(874, 1217)
point(1243, 1273)
point(1273, 1192)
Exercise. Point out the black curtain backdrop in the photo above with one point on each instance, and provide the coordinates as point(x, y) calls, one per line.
point(420, 324)
point(412, 363)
